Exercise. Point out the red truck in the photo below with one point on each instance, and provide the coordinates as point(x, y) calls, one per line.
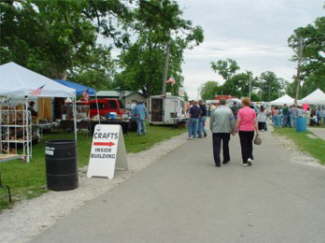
point(105, 106)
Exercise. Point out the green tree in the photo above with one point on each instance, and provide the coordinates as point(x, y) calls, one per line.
point(239, 84)
point(313, 65)
point(225, 68)
point(209, 90)
point(97, 71)
point(53, 37)
point(156, 24)
point(271, 86)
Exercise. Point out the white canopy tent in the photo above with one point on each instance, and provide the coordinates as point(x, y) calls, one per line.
point(284, 100)
point(19, 82)
point(315, 98)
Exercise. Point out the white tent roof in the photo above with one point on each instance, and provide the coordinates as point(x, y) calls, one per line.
point(284, 100)
point(17, 81)
point(315, 98)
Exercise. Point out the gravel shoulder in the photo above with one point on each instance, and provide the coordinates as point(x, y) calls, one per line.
point(296, 155)
point(31, 217)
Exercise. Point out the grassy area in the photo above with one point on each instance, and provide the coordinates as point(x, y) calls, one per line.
point(28, 180)
point(314, 146)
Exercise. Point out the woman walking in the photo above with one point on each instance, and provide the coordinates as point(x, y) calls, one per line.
point(246, 125)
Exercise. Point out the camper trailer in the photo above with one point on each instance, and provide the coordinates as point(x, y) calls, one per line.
point(166, 110)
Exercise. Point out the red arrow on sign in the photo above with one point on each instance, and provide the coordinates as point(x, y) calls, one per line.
point(110, 144)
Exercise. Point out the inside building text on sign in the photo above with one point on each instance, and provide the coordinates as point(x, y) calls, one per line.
point(107, 151)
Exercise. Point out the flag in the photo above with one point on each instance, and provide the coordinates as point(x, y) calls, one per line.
point(38, 91)
point(171, 81)
point(85, 95)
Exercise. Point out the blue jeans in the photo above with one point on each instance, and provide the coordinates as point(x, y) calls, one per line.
point(285, 121)
point(194, 127)
point(293, 121)
point(189, 127)
point(141, 129)
point(201, 130)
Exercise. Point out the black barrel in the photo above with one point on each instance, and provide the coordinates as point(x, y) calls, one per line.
point(61, 165)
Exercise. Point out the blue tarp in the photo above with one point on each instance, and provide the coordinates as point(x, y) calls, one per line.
point(78, 87)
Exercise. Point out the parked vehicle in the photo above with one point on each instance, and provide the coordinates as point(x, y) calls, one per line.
point(107, 107)
point(166, 110)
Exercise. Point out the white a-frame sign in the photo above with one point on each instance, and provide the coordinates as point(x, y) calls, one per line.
point(107, 151)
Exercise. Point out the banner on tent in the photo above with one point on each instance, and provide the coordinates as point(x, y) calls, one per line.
point(107, 151)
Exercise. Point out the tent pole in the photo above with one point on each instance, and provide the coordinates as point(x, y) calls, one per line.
point(29, 145)
point(75, 118)
point(97, 108)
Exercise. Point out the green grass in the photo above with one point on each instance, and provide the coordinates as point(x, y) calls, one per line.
point(313, 146)
point(27, 180)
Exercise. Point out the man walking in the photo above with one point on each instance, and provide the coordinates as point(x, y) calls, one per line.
point(222, 123)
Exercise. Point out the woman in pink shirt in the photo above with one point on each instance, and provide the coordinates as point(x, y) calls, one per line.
point(246, 125)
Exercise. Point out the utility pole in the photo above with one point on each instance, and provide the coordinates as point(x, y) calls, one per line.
point(299, 53)
point(165, 74)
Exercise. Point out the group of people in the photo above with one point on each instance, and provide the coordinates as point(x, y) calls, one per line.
point(197, 115)
point(225, 121)
point(286, 116)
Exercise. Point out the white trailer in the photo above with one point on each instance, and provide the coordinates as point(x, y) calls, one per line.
point(166, 110)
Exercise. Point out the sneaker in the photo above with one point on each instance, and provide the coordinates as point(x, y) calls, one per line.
point(250, 160)
point(249, 163)
point(244, 164)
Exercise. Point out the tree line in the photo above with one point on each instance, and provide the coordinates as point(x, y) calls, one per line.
point(76, 39)
point(268, 86)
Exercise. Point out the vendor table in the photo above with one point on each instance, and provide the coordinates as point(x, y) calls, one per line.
point(40, 127)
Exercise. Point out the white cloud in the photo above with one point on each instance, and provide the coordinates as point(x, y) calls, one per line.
point(254, 33)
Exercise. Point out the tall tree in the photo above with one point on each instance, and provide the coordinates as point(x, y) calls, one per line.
point(313, 65)
point(239, 84)
point(156, 24)
point(53, 37)
point(209, 90)
point(271, 86)
point(225, 68)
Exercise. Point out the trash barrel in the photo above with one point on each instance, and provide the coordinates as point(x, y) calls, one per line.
point(61, 165)
point(301, 124)
point(278, 121)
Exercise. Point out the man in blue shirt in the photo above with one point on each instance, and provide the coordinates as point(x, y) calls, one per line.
point(140, 114)
point(195, 113)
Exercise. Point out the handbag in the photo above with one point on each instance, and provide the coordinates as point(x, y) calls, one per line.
point(257, 140)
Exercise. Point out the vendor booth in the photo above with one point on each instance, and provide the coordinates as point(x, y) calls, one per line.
point(16, 121)
point(283, 100)
point(315, 98)
point(64, 108)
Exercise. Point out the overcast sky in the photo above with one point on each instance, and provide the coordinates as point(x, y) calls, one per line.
point(253, 32)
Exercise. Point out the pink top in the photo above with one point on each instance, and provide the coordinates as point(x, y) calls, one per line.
point(247, 119)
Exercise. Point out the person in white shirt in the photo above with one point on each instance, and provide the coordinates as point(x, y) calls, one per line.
point(262, 119)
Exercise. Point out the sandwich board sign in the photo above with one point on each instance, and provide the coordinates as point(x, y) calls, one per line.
point(107, 151)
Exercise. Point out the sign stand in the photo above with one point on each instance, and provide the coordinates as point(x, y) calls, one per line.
point(108, 151)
